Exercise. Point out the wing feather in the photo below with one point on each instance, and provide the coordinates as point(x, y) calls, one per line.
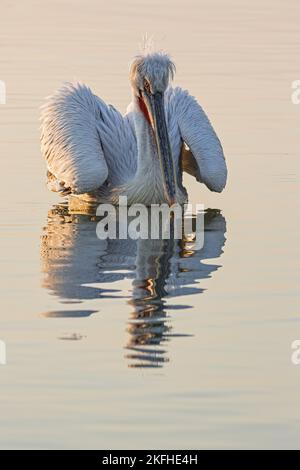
point(70, 139)
point(205, 148)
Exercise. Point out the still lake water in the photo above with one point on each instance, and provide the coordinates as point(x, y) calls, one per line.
point(152, 344)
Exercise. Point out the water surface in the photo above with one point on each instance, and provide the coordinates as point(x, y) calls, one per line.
point(144, 344)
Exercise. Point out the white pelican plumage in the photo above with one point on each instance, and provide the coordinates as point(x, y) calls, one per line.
point(93, 151)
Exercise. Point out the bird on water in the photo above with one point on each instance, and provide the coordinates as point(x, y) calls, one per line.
point(95, 153)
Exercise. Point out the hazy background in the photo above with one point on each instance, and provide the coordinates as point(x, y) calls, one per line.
point(230, 384)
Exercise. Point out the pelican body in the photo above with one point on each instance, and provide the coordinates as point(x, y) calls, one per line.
point(94, 152)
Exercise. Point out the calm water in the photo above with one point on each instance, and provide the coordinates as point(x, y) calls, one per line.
point(125, 344)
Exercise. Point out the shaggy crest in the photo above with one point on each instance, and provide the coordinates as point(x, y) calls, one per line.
point(155, 67)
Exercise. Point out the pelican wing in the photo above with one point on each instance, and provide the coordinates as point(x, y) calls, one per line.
point(204, 159)
point(70, 139)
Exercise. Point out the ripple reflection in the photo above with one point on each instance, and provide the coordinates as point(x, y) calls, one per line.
point(74, 261)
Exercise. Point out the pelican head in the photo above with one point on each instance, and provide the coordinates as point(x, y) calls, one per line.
point(151, 72)
point(150, 75)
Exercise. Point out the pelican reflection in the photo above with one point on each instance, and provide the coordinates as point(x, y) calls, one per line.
point(74, 259)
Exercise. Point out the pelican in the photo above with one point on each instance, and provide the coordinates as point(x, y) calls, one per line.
point(95, 153)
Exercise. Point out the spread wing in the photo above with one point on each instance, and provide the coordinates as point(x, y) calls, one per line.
point(83, 140)
point(204, 157)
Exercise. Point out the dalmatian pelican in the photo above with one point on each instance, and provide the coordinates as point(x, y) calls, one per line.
point(94, 152)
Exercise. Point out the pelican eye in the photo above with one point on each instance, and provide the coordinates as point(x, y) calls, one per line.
point(147, 87)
